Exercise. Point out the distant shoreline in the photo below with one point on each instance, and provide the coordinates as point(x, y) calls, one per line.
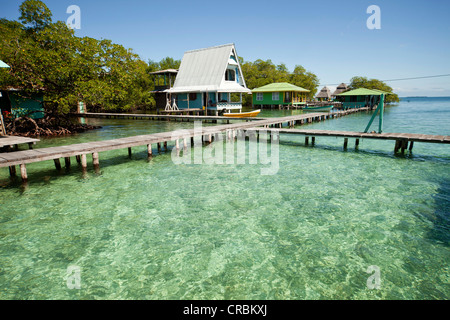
point(423, 97)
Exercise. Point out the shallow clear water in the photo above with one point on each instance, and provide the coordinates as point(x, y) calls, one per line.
point(143, 229)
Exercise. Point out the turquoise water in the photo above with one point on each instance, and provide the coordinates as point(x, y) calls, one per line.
point(143, 229)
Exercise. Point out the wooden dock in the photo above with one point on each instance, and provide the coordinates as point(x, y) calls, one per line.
point(403, 141)
point(167, 117)
point(311, 117)
point(80, 151)
point(13, 142)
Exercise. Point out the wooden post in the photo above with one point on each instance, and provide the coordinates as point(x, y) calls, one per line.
point(78, 159)
point(12, 171)
point(357, 143)
point(313, 140)
point(411, 144)
point(306, 141)
point(345, 143)
point(83, 161)
point(165, 145)
point(129, 152)
point(95, 162)
point(397, 145)
point(149, 151)
point(57, 164)
point(67, 162)
point(159, 147)
point(404, 145)
point(177, 144)
point(23, 172)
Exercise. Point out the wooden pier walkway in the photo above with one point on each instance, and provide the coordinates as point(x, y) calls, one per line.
point(80, 151)
point(403, 141)
point(13, 142)
point(310, 117)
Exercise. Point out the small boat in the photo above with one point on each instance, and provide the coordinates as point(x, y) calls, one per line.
point(243, 114)
point(318, 108)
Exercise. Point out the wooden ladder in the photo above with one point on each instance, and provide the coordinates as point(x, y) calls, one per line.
point(2, 125)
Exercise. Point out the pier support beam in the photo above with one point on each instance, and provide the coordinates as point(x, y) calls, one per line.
point(23, 172)
point(12, 171)
point(411, 145)
point(57, 164)
point(397, 145)
point(96, 162)
point(84, 161)
point(357, 143)
point(149, 151)
point(78, 159)
point(67, 162)
point(129, 152)
point(306, 141)
point(345, 143)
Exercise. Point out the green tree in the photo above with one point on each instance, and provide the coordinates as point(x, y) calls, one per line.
point(261, 73)
point(67, 68)
point(35, 14)
point(363, 82)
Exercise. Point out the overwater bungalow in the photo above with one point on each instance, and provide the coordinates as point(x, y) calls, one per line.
point(209, 78)
point(361, 97)
point(340, 89)
point(324, 94)
point(280, 94)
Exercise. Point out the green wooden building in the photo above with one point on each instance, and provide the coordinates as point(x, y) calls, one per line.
point(18, 104)
point(279, 94)
point(361, 97)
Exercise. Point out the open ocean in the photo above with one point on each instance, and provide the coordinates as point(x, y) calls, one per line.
point(158, 230)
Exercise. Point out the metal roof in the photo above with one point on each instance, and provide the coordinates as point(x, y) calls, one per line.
point(280, 87)
point(204, 70)
point(3, 65)
point(364, 92)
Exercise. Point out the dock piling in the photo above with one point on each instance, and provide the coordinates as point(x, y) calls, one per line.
point(23, 172)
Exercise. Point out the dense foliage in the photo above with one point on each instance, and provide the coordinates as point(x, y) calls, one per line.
point(363, 82)
point(261, 73)
point(48, 56)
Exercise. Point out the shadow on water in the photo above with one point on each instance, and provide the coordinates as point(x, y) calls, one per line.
point(441, 221)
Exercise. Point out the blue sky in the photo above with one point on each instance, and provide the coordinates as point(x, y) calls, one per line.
point(327, 37)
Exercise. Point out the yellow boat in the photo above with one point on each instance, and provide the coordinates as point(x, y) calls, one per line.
point(243, 114)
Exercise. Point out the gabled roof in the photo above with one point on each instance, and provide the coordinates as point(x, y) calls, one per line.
point(280, 87)
point(324, 93)
point(364, 92)
point(204, 70)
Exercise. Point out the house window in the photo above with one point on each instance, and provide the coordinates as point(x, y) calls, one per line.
point(259, 96)
point(230, 75)
point(275, 96)
point(192, 96)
